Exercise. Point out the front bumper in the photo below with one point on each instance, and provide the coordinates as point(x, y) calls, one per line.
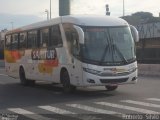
point(94, 80)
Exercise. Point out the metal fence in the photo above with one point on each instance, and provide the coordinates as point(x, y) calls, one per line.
point(148, 48)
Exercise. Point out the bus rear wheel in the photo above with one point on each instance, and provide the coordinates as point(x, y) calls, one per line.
point(67, 87)
point(23, 80)
point(111, 88)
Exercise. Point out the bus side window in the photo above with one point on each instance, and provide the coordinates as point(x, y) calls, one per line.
point(15, 41)
point(44, 37)
point(8, 41)
point(32, 39)
point(55, 37)
point(22, 40)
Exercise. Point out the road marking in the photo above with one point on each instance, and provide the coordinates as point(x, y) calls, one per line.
point(29, 114)
point(65, 112)
point(56, 110)
point(154, 99)
point(92, 109)
point(142, 103)
point(127, 107)
point(4, 75)
point(20, 111)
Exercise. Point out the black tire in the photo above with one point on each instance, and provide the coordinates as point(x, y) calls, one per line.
point(67, 87)
point(23, 80)
point(111, 88)
point(22, 77)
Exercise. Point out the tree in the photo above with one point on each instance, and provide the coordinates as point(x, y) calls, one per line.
point(143, 15)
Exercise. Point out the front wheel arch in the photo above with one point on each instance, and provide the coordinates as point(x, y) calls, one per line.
point(65, 81)
point(23, 80)
point(61, 74)
point(22, 76)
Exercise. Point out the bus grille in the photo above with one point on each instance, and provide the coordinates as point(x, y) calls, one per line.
point(114, 81)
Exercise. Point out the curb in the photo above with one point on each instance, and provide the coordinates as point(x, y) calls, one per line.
point(2, 71)
point(2, 64)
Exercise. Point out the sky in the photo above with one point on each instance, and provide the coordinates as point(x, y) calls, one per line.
point(23, 12)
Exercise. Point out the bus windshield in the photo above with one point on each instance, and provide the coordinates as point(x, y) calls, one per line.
point(108, 45)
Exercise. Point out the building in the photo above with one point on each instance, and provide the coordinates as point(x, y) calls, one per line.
point(2, 38)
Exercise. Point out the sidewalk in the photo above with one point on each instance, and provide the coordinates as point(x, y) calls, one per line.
point(2, 71)
point(2, 67)
point(2, 64)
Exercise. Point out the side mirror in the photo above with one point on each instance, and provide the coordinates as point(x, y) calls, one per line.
point(135, 34)
point(80, 33)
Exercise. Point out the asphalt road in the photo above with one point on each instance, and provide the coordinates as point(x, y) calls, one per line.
point(48, 102)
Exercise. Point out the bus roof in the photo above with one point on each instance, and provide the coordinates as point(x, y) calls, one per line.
point(94, 20)
point(84, 20)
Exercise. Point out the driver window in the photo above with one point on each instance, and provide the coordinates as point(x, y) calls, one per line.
point(75, 46)
point(72, 39)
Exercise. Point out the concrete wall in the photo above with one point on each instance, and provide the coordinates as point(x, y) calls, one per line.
point(149, 30)
point(149, 69)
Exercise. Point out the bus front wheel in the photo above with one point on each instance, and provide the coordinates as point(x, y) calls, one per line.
point(111, 88)
point(67, 87)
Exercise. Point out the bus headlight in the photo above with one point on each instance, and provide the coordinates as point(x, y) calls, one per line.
point(95, 72)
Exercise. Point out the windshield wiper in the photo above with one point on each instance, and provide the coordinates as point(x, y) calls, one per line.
point(104, 54)
point(115, 48)
point(107, 48)
point(119, 52)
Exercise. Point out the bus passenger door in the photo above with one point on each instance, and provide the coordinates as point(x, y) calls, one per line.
point(73, 47)
point(76, 64)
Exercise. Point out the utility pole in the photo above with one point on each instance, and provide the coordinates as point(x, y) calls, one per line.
point(50, 9)
point(123, 8)
point(12, 25)
point(47, 12)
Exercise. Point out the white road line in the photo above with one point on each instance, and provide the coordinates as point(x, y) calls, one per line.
point(142, 103)
point(64, 112)
point(4, 75)
point(56, 110)
point(92, 109)
point(28, 114)
point(154, 99)
point(20, 111)
point(127, 107)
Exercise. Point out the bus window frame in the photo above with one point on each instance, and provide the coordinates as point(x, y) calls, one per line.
point(35, 43)
point(25, 41)
point(10, 45)
point(41, 38)
point(60, 39)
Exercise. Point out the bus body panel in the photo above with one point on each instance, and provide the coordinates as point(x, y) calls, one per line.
point(37, 67)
